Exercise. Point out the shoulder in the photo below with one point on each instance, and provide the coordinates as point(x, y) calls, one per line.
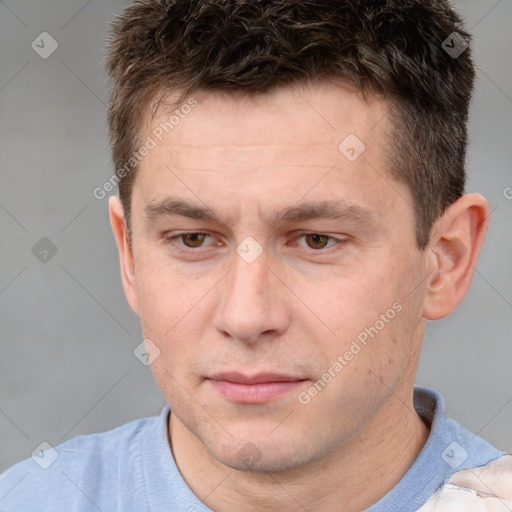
point(486, 488)
point(82, 470)
point(450, 453)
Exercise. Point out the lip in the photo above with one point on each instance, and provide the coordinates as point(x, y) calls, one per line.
point(259, 388)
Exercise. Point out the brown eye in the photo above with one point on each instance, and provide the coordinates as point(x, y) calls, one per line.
point(316, 241)
point(193, 239)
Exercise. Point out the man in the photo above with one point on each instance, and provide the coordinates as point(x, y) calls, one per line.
point(290, 214)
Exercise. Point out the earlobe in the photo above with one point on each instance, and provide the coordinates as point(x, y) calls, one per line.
point(124, 245)
point(452, 254)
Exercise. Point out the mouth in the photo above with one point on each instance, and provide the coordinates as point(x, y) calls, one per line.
point(260, 388)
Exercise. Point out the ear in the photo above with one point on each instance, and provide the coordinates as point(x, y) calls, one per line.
point(117, 221)
point(452, 254)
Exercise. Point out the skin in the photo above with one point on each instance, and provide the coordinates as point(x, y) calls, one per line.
point(298, 305)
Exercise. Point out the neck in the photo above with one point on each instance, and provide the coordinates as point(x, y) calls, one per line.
point(356, 475)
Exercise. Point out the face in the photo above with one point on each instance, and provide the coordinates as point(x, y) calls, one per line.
point(275, 268)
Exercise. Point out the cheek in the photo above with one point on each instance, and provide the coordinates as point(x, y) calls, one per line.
point(356, 299)
point(173, 309)
point(165, 291)
point(371, 316)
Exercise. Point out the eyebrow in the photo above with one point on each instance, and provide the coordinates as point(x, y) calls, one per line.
point(169, 207)
point(334, 210)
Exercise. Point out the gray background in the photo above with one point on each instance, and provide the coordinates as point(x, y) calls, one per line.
point(67, 334)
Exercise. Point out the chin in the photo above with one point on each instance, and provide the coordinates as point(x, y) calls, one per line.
point(262, 456)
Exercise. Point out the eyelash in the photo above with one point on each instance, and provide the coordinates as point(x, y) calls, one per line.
point(172, 238)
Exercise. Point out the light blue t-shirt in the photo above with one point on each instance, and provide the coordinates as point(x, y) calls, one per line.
point(131, 468)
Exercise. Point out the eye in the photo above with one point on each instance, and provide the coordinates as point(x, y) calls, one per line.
point(318, 241)
point(193, 239)
point(189, 240)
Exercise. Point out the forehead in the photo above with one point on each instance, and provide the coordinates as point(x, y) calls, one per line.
point(325, 142)
point(316, 114)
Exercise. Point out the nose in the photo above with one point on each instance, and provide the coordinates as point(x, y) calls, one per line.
point(253, 304)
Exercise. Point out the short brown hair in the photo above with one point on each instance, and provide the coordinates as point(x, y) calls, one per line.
point(393, 48)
